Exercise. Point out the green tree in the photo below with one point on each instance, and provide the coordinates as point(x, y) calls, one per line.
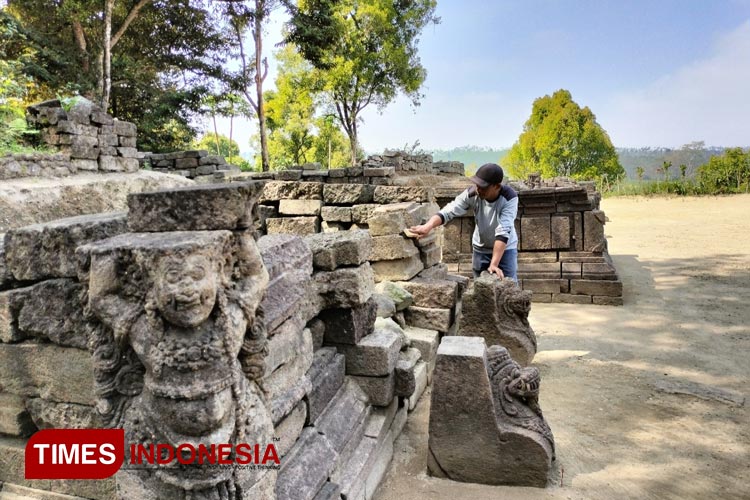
point(727, 173)
point(639, 172)
point(665, 168)
point(227, 147)
point(563, 139)
point(365, 51)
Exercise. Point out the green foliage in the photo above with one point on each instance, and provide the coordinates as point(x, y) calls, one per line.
point(365, 52)
point(729, 173)
point(563, 139)
point(691, 155)
point(226, 148)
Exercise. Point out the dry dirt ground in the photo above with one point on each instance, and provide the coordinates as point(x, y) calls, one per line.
point(648, 400)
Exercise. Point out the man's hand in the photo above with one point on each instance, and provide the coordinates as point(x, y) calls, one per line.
point(496, 271)
point(421, 231)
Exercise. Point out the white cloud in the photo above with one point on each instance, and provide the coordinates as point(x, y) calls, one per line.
point(706, 100)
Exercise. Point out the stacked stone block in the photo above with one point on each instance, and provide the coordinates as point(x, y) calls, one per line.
point(404, 163)
point(193, 164)
point(45, 367)
point(14, 166)
point(91, 138)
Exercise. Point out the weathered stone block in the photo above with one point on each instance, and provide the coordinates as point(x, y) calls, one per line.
point(301, 226)
point(596, 287)
point(545, 286)
point(406, 382)
point(536, 233)
point(433, 293)
point(421, 379)
point(397, 270)
point(345, 248)
point(566, 298)
point(52, 310)
point(593, 230)
point(539, 270)
point(347, 194)
point(431, 255)
point(85, 165)
point(381, 224)
point(599, 271)
point(336, 214)
point(289, 429)
point(286, 376)
point(380, 390)
point(286, 344)
point(429, 317)
point(498, 311)
point(48, 371)
point(374, 355)
point(305, 469)
point(560, 232)
point(392, 247)
point(291, 190)
point(607, 301)
point(361, 213)
point(424, 340)
point(52, 415)
point(185, 163)
point(326, 376)
point(397, 194)
point(386, 306)
point(300, 207)
point(194, 208)
point(14, 418)
point(571, 270)
point(401, 298)
point(349, 325)
point(345, 286)
point(342, 418)
point(48, 250)
point(471, 438)
point(126, 129)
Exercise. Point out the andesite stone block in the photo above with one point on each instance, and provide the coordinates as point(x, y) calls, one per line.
point(340, 420)
point(593, 231)
point(336, 214)
point(400, 296)
point(431, 318)
point(421, 379)
point(345, 286)
point(349, 325)
point(406, 383)
point(392, 247)
point(536, 233)
point(374, 355)
point(301, 226)
point(397, 270)
point(194, 208)
point(596, 287)
point(326, 376)
point(344, 248)
point(289, 429)
point(347, 194)
point(380, 390)
point(291, 190)
point(397, 194)
point(305, 469)
point(47, 250)
point(300, 207)
point(434, 293)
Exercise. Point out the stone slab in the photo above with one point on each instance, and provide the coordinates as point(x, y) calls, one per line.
point(289, 429)
point(392, 247)
point(305, 469)
point(301, 226)
point(326, 376)
point(345, 286)
point(398, 194)
point(397, 270)
point(48, 371)
point(48, 250)
point(194, 208)
point(596, 287)
point(536, 233)
point(347, 194)
point(420, 384)
point(339, 422)
point(344, 248)
point(401, 298)
point(434, 293)
point(431, 318)
point(300, 207)
point(593, 231)
point(14, 418)
point(291, 190)
point(336, 214)
point(405, 378)
point(349, 325)
point(374, 355)
point(380, 390)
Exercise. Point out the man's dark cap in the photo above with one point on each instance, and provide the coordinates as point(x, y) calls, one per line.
point(488, 174)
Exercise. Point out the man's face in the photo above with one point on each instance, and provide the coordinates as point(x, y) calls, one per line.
point(489, 193)
point(186, 290)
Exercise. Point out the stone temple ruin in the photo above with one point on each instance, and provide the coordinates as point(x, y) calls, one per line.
point(286, 309)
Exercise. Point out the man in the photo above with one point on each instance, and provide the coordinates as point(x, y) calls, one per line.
point(495, 242)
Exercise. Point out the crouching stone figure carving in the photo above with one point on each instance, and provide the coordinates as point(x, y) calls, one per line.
point(486, 425)
point(172, 315)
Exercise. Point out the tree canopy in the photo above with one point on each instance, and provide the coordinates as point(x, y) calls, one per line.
point(563, 139)
point(365, 52)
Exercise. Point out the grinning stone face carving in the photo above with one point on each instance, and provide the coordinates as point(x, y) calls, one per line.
point(186, 290)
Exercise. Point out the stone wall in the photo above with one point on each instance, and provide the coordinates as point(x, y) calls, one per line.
point(14, 166)
point(194, 164)
point(407, 164)
point(346, 359)
point(562, 254)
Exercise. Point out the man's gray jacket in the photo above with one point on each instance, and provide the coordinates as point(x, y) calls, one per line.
point(493, 220)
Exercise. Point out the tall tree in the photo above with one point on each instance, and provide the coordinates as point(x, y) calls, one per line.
point(365, 50)
point(250, 18)
point(563, 139)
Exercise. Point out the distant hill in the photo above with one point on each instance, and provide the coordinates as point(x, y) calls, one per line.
point(651, 159)
point(472, 157)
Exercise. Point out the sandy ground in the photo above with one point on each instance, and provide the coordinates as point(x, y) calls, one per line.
point(648, 400)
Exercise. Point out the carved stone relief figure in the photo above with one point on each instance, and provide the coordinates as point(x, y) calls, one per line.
point(177, 349)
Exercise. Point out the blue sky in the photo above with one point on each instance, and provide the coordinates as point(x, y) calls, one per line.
point(655, 73)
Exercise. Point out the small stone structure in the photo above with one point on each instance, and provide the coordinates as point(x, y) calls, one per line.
point(193, 164)
point(498, 311)
point(494, 433)
point(404, 163)
point(562, 253)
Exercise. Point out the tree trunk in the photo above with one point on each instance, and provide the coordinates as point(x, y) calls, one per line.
point(259, 77)
point(353, 140)
point(107, 54)
point(216, 135)
point(231, 126)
